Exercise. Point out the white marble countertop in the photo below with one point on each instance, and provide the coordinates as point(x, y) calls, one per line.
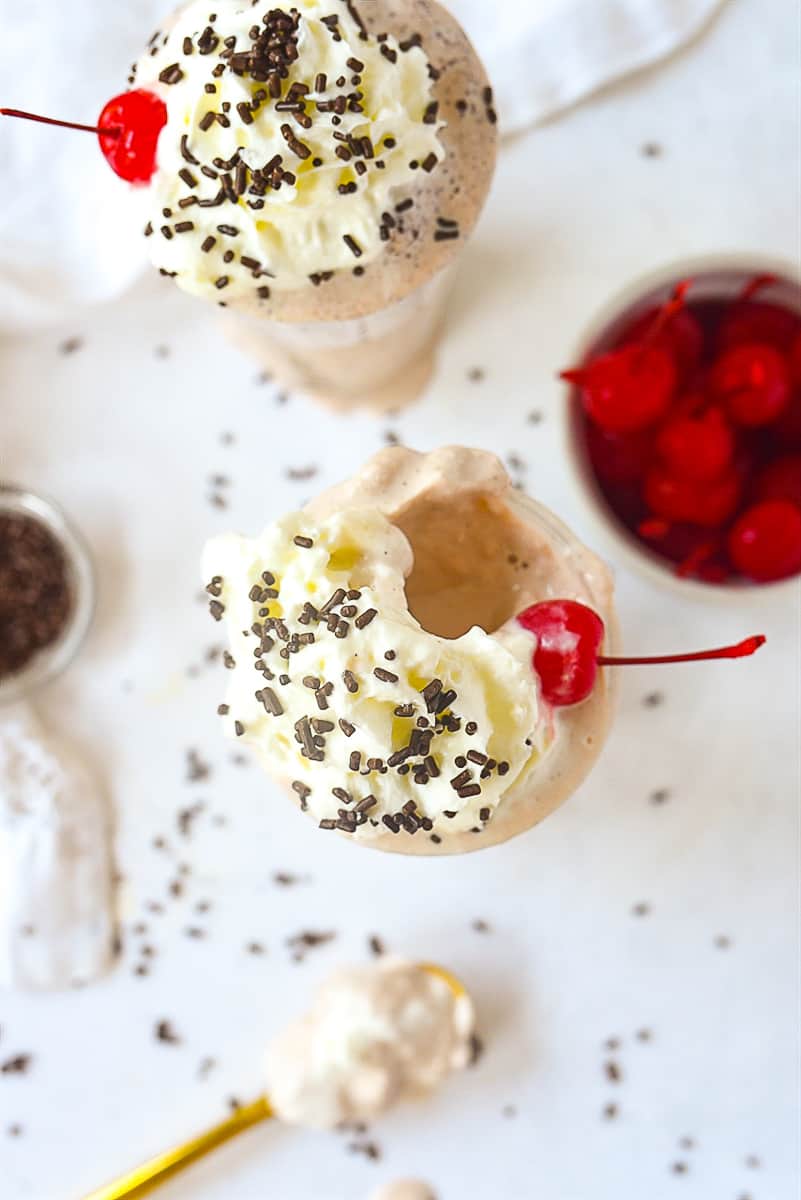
point(701, 989)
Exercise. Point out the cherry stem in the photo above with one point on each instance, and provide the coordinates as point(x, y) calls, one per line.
point(757, 284)
point(668, 310)
point(113, 131)
point(742, 650)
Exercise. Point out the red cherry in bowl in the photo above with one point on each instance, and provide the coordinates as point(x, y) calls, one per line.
point(752, 381)
point(128, 131)
point(765, 542)
point(677, 498)
point(626, 390)
point(700, 448)
point(569, 635)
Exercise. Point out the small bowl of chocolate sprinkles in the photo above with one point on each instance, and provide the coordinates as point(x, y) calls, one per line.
point(47, 591)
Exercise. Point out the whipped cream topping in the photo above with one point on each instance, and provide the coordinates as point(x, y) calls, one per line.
point(374, 1037)
point(376, 724)
point(291, 136)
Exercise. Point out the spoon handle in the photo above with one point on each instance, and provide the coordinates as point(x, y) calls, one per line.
point(145, 1179)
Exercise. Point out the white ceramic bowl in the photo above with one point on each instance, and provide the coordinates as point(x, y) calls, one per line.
point(719, 276)
point(54, 658)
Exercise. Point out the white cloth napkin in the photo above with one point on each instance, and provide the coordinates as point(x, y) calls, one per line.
point(544, 55)
point(68, 235)
point(56, 898)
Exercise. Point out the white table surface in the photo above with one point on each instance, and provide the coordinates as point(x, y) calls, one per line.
point(127, 439)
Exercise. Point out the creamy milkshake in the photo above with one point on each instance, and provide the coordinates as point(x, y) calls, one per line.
point(377, 668)
point(320, 169)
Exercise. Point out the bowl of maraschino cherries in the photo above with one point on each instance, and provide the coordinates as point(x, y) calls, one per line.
point(684, 425)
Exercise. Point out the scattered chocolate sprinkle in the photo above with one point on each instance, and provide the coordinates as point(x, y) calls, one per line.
point(385, 676)
point(164, 1032)
point(196, 769)
point(305, 543)
point(205, 1067)
point(307, 939)
point(612, 1071)
point(18, 1065)
point(370, 1150)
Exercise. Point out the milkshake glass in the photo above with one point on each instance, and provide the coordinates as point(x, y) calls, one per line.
point(321, 168)
point(376, 668)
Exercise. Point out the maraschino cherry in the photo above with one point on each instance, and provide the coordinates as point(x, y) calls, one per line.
point(753, 382)
point(128, 131)
point(630, 388)
point(706, 503)
point(699, 447)
point(765, 542)
point(569, 636)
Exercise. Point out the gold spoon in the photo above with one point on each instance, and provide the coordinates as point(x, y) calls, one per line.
point(150, 1175)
